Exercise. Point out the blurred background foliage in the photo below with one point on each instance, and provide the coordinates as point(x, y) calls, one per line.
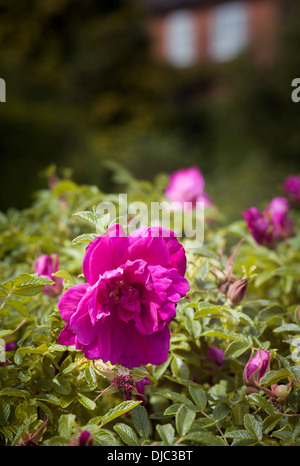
point(82, 89)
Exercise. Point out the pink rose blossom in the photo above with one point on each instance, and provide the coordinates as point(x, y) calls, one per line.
point(291, 187)
point(216, 354)
point(133, 284)
point(272, 224)
point(45, 266)
point(187, 185)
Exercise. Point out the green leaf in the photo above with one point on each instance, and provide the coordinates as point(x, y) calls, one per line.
point(220, 412)
point(227, 334)
point(270, 422)
point(66, 425)
point(179, 368)
point(49, 398)
point(19, 306)
point(86, 402)
point(90, 217)
point(31, 286)
point(207, 438)
point(4, 333)
point(273, 376)
point(84, 238)
point(14, 392)
point(199, 397)
point(66, 277)
point(253, 426)
point(99, 222)
point(4, 411)
point(206, 309)
point(204, 269)
point(141, 421)
point(259, 401)
point(193, 327)
point(287, 328)
point(90, 377)
point(280, 271)
point(241, 437)
point(166, 433)
point(177, 397)
point(62, 385)
point(184, 419)
point(127, 434)
point(118, 410)
point(236, 349)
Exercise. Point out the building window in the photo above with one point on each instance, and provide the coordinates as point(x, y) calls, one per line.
point(180, 39)
point(229, 31)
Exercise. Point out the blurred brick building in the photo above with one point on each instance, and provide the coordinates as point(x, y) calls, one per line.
point(185, 33)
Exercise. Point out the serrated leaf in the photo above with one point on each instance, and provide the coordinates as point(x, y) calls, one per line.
point(199, 397)
point(270, 422)
point(236, 349)
point(31, 286)
point(90, 217)
point(66, 425)
point(127, 434)
point(65, 275)
point(193, 327)
point(179, 368)
point(118, 410)
point(273, 376)
point(50, 398)
point(4, 333)
point(184, 419)
point(90, 377)
point(166, 433)
point(19, 306)
point(207, 438)
point(280, 271)
point(61, 385)
point(204, 269)
point(141, 421)
point(86, 402)
point(240, 436)
point(259, 401)
point(4, 411)
point(220, 412)
point(253, 426)
point(14, 392)
point(287, 328)
point(106, 438)
point(227, 334)
point(84, 238)
point(177, 397)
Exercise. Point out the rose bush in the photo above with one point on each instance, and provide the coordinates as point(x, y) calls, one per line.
point(112, 338)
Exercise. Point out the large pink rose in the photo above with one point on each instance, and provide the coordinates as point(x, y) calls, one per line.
point(122, 313)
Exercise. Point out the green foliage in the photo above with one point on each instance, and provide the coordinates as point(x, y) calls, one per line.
point(51, 393)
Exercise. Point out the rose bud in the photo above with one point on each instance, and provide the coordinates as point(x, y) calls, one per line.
point(85, 440)
point(256, 368)
point(237, 291)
